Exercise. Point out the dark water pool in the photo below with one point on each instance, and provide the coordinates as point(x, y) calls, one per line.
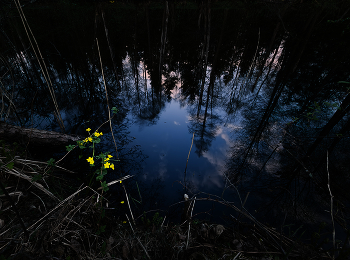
point(262, 86)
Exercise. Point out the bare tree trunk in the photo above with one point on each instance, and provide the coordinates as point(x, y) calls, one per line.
point(163, 41)
point(204, 54)
point(344, 109)
point(35, 136)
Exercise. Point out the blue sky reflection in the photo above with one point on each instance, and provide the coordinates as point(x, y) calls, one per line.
point(167, 144)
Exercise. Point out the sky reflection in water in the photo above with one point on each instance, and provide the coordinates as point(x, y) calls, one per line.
point(167, 144)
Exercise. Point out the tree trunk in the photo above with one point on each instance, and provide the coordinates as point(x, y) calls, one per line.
point(36, 137)
point(338, 115)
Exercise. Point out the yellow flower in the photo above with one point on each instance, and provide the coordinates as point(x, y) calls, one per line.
point(101, 133)
point(122, 202)
point(96, 134)
point(124, 222)
point(112, 166)
point(90, 139)
point(88, 129)
point(108, 157)
point(120, 182)
point(90, 160)
point(111, 2)
point(107, 165)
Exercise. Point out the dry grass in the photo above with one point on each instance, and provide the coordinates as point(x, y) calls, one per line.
point(81, 226)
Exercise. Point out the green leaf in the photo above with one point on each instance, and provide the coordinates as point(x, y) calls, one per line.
point(103, 248)
point(104, 186)
point(114, 110)
point(37, 177)
point(80, 156)
point(70, 147)
point(51, 162)
point(10, 165)
point(103, 155)
point(97, 140)
point(81, 144)
point(101, 230)
point(345, 82)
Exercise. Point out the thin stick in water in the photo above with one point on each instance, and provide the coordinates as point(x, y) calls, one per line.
point(188, 157)
point(109, 111)
point(127, 200)
point(330, 193)
point(189, 223)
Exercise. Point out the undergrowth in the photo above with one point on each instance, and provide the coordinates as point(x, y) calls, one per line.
point(80, 224)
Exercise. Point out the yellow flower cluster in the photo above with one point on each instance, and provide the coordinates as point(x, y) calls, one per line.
point(97, 134)
point(109, 165)
point(90, 160)
point(108, 157)
point(89, 139)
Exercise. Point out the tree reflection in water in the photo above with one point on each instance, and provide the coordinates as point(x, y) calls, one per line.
point(269, 70)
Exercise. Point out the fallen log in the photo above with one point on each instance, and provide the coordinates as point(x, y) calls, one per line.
point(36, 137)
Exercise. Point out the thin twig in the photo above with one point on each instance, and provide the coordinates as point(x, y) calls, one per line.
point(189, 223)
point(40, 200)
point(16, 210)
point(127, 200)
point(188, 157)
point(163, 222)
point(109, 111)
point(269, 232)
point(330, 193)
point(245, 200)
point(116, 181)
point(144, 249)
point(60, 204)
point(130, 223)
point(238, 254)
point(13, 171)
point(231, 184)
point(43, 65)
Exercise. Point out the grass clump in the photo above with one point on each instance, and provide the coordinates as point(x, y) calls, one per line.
point(45, 218)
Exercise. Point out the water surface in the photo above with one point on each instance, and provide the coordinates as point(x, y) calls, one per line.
point(257, 84)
